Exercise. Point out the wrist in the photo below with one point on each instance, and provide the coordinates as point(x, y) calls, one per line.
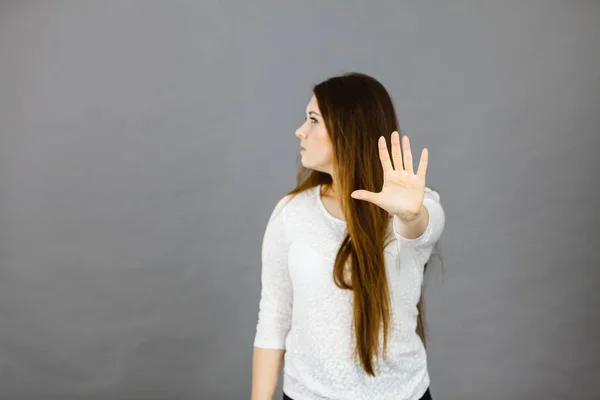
point(411, 227)
point(411, 217)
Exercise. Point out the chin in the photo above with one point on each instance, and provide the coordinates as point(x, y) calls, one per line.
point(306, 163)
point(313, 166)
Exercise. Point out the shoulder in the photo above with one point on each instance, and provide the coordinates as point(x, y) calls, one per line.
point(292, 202)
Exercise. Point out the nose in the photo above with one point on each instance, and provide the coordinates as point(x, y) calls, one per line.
point(301, 132)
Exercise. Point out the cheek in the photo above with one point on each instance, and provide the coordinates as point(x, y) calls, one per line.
point(324, 145)
point(322, 138)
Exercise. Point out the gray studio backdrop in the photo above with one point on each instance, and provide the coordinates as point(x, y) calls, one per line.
point(143, 145)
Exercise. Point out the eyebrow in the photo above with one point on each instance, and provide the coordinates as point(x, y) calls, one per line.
point(312, 112)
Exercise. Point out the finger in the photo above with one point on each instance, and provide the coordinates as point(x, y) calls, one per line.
point(422, 170)
point(384, 156)
point(408, 159)
point(364, 195)
point(396, 151)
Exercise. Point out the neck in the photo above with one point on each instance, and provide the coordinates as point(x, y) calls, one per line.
point(332, 190)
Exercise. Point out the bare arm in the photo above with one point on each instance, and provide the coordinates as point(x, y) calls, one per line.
point(266, 368)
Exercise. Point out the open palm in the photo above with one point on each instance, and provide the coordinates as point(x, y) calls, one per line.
point(403, 191)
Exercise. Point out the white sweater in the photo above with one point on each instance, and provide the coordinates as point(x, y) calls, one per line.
point(302, 311)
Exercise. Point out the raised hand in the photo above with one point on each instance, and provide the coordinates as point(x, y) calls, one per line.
point(403, 191)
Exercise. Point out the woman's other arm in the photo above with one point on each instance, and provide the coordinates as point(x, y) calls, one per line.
point(275, 309)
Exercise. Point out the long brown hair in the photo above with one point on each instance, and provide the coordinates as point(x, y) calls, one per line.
point(357, 110)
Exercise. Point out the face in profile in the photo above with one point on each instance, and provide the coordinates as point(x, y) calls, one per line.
point(316, 152)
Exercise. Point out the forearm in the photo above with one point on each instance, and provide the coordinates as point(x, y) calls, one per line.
point(266, 368)
point(413, 228)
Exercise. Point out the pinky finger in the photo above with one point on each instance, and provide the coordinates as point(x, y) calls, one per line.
point(422, 170)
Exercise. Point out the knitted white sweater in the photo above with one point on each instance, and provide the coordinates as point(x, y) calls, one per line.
point(302, 311)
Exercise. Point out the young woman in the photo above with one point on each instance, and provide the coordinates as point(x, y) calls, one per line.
point(343, 256)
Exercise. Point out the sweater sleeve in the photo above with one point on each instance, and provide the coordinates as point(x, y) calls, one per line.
point(435, 226)
point(275, 306)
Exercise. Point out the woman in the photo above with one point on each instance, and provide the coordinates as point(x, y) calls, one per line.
point(343, 256)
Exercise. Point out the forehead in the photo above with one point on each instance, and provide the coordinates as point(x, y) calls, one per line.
point(312, 104)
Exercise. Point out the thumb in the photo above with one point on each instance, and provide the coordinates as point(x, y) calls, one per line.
point(364, 195)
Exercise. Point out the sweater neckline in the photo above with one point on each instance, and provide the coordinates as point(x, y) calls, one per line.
point(328, 215)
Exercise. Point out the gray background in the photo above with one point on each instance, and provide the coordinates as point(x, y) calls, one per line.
point(143, 145)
